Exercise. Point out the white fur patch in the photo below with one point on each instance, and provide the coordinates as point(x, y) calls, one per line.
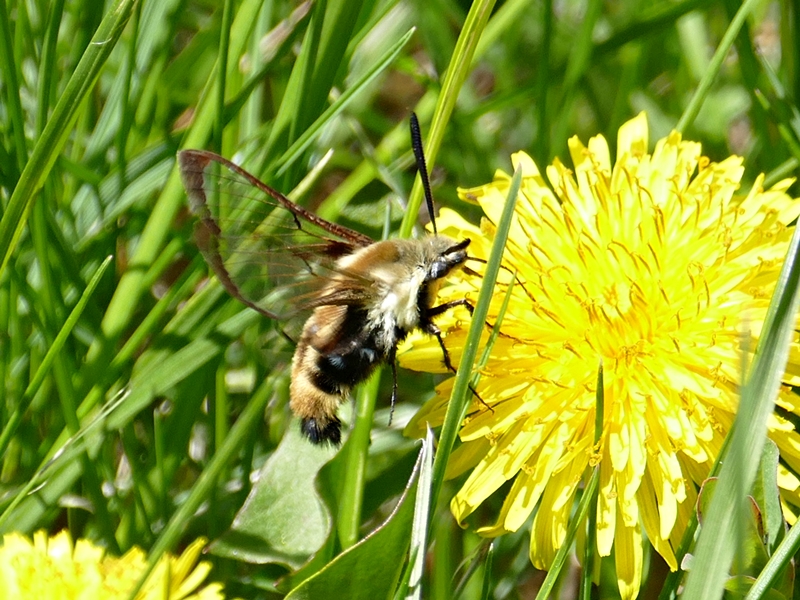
point(397, 307)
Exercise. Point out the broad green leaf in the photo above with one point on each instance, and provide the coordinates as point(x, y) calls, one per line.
point(371, 569)
point(283, 520)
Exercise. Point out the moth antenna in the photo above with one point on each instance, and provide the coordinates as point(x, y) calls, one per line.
point(419, 155)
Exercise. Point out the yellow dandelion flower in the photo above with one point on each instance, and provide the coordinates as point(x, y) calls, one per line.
point(56, 569)
point(656, 267)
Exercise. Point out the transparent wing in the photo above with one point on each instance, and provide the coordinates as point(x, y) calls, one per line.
point(267, 251)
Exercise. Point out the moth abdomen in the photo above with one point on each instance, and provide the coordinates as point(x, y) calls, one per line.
point(337, 350)
point(313, 397)
point(322, 432)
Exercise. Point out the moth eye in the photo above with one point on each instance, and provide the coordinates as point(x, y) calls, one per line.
point(438, 269)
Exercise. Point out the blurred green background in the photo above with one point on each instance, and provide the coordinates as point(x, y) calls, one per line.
point(140, 409)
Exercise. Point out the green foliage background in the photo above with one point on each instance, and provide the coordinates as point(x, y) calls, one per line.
point(138, 400)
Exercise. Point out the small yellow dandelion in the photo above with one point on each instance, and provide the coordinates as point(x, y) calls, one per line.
point(656, 267)
point(56, 569)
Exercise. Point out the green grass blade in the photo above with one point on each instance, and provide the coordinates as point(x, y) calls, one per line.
point(542, 85)
point(9, 69)
point(59, 126)
point(52, 353)
point(130, 288)
point(355, 472)
point(777, 563)
point(46, 70)
point(421, 524)
point(154, 30)
point(693, 108)
point(586, 507)
point(460, 65)
point(222, 72)
point(250, 417)
point(658, 17)
point(578, 62)
point(459, 399)
point(339, 27)
point(578, 518)
point(589, 555)
point(304, 141)
point(486, 588)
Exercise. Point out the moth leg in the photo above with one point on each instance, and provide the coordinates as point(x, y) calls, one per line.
point(435, 311)
point(393, 362)
point(286, 336)
point(443, 308)
point(433, 330)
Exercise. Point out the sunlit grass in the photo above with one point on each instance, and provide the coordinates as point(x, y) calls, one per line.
point(140, 401)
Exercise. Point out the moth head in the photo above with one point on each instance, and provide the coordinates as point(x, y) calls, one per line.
point(446, 255)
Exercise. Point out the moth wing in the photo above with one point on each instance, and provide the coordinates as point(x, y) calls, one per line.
point(268, 252)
